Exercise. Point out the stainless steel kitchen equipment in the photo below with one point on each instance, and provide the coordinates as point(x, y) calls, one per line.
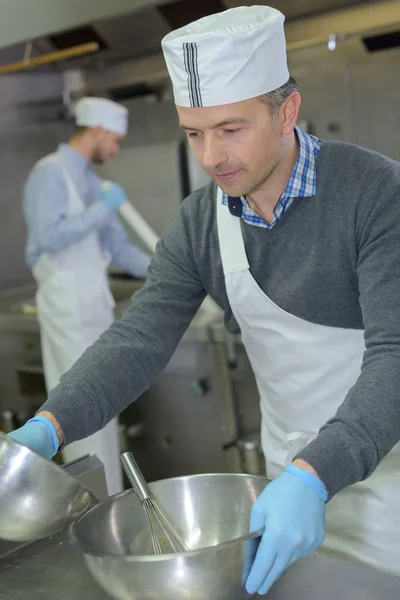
point(251, 452)
point(51, 569)
point(164, 538)
point(213, 511)
point(37, 497)
point(196, 417)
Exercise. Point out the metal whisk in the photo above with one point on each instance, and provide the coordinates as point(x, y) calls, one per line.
point(163, 536)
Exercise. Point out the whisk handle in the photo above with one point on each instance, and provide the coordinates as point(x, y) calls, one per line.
point(135, 477)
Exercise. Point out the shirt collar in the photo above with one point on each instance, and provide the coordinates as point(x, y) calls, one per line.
point(303, 178)
point(73, 158)
point(302, 183)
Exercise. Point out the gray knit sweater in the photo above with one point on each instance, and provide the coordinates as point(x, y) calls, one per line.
point(333, 259)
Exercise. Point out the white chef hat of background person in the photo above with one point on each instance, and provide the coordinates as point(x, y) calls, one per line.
point(227, 57)
point(111, 116)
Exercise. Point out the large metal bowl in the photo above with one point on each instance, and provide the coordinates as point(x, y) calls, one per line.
point(210, 512)
point(37, 497)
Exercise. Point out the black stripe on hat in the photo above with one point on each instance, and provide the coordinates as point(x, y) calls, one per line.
point(192, 70)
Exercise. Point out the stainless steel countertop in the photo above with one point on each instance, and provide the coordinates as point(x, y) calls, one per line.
point(13, 317)
point(52, 570)
point(47, 570)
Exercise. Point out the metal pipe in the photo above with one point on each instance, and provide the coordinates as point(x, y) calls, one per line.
point(231, 351)
point(51, 57)
point(324, 40)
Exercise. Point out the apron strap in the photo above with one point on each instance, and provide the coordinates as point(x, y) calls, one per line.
point(68, 179)
point(231, 244)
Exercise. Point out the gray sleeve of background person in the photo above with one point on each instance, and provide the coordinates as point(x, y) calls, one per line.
point(367, 425)
point(129, 356)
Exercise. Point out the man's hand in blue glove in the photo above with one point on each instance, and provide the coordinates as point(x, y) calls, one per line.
point(112, 195)
point(40, 435)
point(292, 510)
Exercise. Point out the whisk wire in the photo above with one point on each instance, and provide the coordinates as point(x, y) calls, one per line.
point(164, 538)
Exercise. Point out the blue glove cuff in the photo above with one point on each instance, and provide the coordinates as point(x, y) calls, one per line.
point(310, 479)
point(51, 428)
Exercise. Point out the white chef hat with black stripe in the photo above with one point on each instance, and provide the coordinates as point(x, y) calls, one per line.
point(227, 57)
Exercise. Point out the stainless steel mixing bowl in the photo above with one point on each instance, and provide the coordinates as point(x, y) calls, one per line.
point(37, 497)
point(210, 512)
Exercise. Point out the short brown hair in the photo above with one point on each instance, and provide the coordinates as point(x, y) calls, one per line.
point(80, 130)
point(277, 97)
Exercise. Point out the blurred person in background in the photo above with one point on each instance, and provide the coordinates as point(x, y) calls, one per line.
point(74, 234)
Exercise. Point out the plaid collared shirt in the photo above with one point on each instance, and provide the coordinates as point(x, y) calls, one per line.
point(302, 182)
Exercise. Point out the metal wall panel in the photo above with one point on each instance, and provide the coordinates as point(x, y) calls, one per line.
point(181, 418)
point(376, 97)
point(325, 104)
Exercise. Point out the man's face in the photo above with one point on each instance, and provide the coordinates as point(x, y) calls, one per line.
point(106, 145)
point(238, 145)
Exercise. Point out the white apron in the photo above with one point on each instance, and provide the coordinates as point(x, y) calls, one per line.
point(303, 373)
point(75, 307)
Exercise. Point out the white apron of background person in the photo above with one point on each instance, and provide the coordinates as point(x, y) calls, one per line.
point(75, 307)
point(303, 372)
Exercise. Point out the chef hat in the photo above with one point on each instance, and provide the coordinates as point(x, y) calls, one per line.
point(91, 112)
point(227, 57)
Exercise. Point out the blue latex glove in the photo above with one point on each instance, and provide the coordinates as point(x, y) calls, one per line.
point(112, 196)
point(39, 435)
point(292, 510)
